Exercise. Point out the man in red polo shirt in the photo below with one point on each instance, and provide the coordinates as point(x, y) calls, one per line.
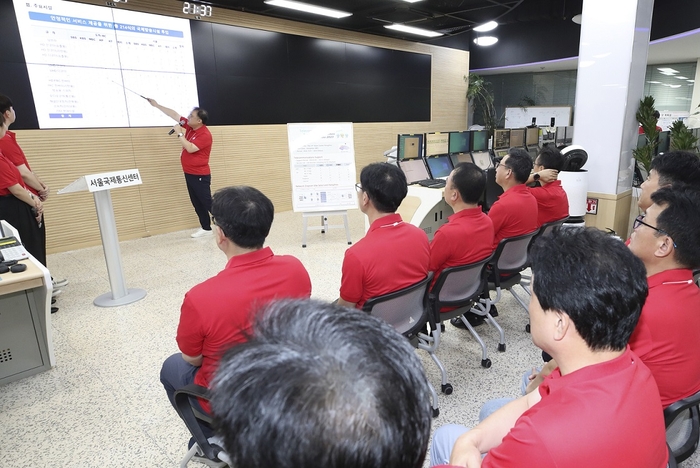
point(219, 312)
point(196, 141)
point(393, 254)
point(552, 202)
point(601, 406)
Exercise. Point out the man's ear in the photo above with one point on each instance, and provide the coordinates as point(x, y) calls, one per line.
point(664, 248)
point(562, 326)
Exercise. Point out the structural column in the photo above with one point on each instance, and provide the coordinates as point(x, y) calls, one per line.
point(610, 83)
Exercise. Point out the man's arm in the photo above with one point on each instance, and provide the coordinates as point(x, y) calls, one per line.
point(195, 361)
point(537, 378)
point(169, 112)
point(344, 303)
point(32, 180)
point(546, 176)
point(186, 145)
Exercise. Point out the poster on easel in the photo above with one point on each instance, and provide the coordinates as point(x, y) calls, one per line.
point(322, 166)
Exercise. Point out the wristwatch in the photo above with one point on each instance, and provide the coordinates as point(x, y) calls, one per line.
point(180, 134)
point(536, 176)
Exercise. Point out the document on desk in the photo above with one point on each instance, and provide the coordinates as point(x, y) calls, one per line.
point(11, 249)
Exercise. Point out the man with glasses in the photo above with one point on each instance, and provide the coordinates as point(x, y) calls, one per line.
point(393, 254)
point(218, 312)
point(196, 141)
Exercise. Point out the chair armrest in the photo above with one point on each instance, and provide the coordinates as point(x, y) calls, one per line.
point(673, 409)
point(189, 415)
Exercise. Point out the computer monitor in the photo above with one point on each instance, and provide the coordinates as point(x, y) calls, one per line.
point(461, 158)
point(409, 146)
point(569, 135)
point(560, 137)
point(641, 140)
point(664, 141)
point(492, 190)
point(532, 136)
point(414, 170)
point(500, 153)
point(482, 159)
point(480, 140)
point(459, 142)
point(501, 138)
point(517, 138)
point(436, 143)
point(439, 166)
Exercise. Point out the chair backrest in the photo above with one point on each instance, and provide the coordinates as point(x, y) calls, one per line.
point(460, 284)
point(546, 228)
point(406, 309)
point(696, 277)
point(511, 255)
point(682, 420)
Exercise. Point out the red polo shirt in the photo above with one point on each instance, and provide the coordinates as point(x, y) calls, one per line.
point(196, 163)
point(552, 202)
point(667, 334)
point(9, 176)
point(467, 237)
point(12, 151)
point(218, 312)
point(604, 415)
point(391, 256)
point(513, 214)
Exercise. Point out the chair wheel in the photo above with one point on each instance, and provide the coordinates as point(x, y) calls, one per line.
point(486, 363)
point(502, 347)
point(527, 328)
point(447, 389)
point(436, 412)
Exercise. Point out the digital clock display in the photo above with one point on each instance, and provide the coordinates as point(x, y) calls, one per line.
point(196, 9)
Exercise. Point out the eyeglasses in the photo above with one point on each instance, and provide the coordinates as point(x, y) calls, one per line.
point(358, 187)
point(639, 220)
point(499, 163)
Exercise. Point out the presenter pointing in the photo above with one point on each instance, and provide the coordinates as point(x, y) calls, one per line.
point(196, 140)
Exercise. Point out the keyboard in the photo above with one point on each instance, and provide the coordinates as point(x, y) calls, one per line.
point(11, 249)
point(431, 183)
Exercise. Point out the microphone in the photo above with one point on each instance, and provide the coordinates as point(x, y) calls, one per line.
point(182, 124)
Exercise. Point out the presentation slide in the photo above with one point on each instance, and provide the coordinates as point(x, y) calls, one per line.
point(92, 66)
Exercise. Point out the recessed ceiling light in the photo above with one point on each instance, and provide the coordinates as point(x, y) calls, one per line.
point(411, 1)
point(490, 26)
point(674, 86)
point(308, 8)
point(667, 70)
point(412, 30)
point(691, 81)
point(682, 77)
point(576, 19)
point(654, 82)
point(485, 40)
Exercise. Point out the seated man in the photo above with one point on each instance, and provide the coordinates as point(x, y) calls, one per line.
point(218, 312)
point(467, 236)
point(319, 385)
point(601, 406)
point(393, 254)
point(552, 202)
point(667, 169)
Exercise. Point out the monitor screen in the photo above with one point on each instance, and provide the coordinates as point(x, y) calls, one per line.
point(501, 153)
point(501, 139)
point(561, 135)
point(569, 135)
point(482, 159)
point(459, 142)
point(409, 147)
point(480, 140)
point(532, 136)
point(664, 140)
point(440, 166)
point(436, 143)
point(461, 158)
point(517, 138)
point(414, 170)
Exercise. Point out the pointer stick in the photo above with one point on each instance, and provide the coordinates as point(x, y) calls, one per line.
point(129, 89)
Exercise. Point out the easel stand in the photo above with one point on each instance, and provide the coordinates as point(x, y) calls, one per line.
point(324, 224)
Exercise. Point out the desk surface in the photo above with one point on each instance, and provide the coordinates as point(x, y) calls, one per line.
point(30, 278)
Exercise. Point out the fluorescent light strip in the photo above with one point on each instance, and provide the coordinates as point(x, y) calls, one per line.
point(412, 30)
point(317, 10)
point(411, 1)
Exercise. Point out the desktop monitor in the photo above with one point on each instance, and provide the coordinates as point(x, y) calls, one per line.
point(501, 139)
point(436, 143)
point(439, 166)
point(664, 142)
point(532, 136)
point(560, 137)
point(569, 135)
point(409, 147)
point(480, 140)
point(459, 142)
point(414, 170)
point(461, 158)
point(500, 153)
point(517, 138)
point(482, 159)
point(492, 190)
point(641, 140)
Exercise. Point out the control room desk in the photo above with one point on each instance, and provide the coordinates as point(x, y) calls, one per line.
point(26, 346)
point(426, 208)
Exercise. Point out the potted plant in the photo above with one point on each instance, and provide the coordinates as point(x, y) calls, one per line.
point(480, 98)
point(647, 119)
point(682, 137)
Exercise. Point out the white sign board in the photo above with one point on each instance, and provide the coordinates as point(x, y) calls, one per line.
point(322, 166)
point(518, 117)
point(104, 181)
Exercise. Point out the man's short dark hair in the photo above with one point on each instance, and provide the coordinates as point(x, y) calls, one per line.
point(470, 182)
point(319, 385)
point(385, 185)
point(550, 158)
point(244, 214)
point(5, 103)
point(520, 162)
point(202, 114)
point(680, 219)
point(593, 278)
point(677, 166)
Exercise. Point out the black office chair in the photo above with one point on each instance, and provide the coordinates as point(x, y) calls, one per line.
point(407, 311)
point(208, 451)
point(461, 287)
point(682, 420)
point(696, 277)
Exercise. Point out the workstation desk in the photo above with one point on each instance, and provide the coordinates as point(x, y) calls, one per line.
point(425, 208)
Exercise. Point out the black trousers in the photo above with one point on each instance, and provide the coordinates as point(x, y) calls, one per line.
point(20, 216)
point(199, 188)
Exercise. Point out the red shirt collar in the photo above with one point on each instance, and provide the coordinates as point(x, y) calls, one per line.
point(391, 220)
point(466, 213)
point(678, 275)
point(250, 257)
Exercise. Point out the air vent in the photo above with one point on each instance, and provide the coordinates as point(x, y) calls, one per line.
point(5, 355)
